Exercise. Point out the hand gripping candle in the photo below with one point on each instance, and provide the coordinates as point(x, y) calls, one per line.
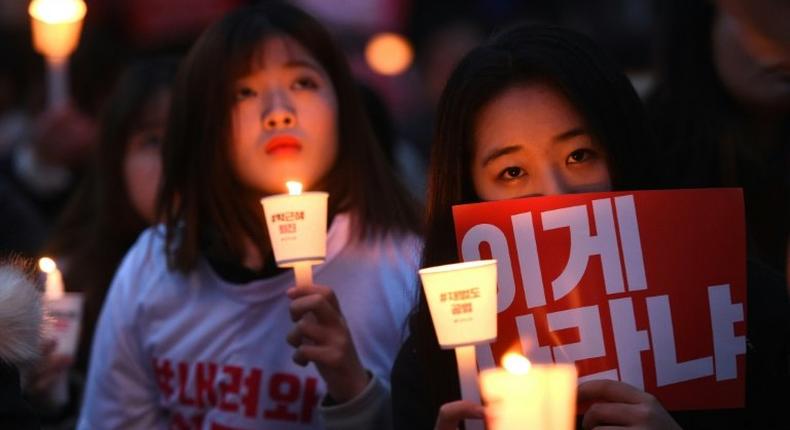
point(462, 299)
point(56, 27)
point(297, 229)
point(63, 313)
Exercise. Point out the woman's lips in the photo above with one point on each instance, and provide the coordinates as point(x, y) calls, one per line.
point(283, 145)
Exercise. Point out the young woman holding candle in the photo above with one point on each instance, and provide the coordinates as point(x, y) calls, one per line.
point(535, 111)
point(196, 326)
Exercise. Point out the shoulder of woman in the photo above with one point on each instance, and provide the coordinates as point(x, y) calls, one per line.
point(145, 258)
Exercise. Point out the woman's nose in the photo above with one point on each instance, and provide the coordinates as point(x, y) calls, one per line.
point(279, 118)
point(279, 114)
point(551, 183)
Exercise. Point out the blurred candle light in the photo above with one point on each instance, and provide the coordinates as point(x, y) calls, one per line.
point(526, 396)
point(64, 315)
point(389, 54)
point(56, 27)
point(54, 285)
point(297, 229)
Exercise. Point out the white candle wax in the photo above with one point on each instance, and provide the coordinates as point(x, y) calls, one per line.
point(466, 359)
point(540, 397)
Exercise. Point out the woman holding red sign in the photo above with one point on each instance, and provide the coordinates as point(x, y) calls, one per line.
point(535, 111)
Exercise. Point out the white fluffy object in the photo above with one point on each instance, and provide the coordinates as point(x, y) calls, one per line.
point(21, 315)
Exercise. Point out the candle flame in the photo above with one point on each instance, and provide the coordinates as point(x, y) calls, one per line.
point(294, 187)
point(47, 265)
point(516, 363)
point(57, 11)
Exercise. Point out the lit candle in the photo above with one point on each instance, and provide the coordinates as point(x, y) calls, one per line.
point(296, 223)
point(462, 299)
point(54, 284)
point(525, 396)
point(56, 27)
point(64, 315)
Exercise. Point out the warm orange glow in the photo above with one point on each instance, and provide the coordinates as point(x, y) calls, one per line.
point(54, 286)
point(56, 26)
point(47, 265)
point(516, 363)
point(57, 11)
point(389, 54)
point(294, 187)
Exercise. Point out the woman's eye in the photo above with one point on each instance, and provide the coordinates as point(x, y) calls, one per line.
point(305, 82)
point(512, 172)
point(245, 93)
point(580, 156)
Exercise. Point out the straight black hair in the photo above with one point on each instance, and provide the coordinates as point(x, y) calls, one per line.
point(200, 188)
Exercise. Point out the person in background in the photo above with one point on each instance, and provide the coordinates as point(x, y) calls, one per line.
point(113, 205)
point(46, 150)
point(196, 327)
point(721, 109)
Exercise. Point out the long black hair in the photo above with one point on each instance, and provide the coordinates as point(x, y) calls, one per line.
point(200, 189)
point(593, 84)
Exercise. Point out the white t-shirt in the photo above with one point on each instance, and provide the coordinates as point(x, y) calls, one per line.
point(193, 351)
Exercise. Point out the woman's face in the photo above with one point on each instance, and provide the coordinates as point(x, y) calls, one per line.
point(284, 119)
point(530, 141)
point(142, 163)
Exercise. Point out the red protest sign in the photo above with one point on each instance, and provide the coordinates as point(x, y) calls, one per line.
point(645, 287)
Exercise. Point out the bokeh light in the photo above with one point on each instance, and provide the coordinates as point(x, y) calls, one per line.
point(389, 54)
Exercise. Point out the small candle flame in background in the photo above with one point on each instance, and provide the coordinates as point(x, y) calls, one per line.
point(57, 11)
point(294, 187)
point(47, 265)
point(516, 363)
point(54, 286)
